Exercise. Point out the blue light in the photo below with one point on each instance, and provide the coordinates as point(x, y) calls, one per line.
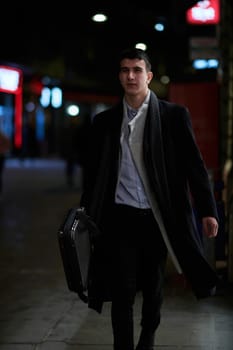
point(200, 64)
point(159, 27)
point(205, 64)
point(51, 96)
point(213, 63)
point(56, 97)
point(45, 97)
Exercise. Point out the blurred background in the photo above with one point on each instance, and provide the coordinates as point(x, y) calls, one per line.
point(58, 67)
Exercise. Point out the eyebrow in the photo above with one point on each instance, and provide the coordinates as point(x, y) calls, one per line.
point(128, 68)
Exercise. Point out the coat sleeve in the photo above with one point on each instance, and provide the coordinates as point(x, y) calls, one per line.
point(91, 162)
point(196, 171)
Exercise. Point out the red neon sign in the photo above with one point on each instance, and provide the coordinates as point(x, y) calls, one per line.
point(204, 12)
point(11, 81)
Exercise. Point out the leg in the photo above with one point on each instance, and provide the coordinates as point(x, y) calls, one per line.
point(122, 325)
point(124, 280)
point(124, 297)
point(153, 255)
point(151, 312)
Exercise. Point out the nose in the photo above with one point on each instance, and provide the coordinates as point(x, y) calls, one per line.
point(130, 74)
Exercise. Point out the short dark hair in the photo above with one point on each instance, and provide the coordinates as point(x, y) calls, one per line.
point(132, 53)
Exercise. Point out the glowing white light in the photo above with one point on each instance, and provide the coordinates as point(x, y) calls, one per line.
point(141, 46)
point(203, 14)
point(9, 79)
point(72, 110)
point(99, 17)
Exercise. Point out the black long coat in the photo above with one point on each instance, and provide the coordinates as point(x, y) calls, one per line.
point(175, 169)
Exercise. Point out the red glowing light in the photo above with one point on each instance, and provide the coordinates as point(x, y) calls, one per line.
point(204, 12)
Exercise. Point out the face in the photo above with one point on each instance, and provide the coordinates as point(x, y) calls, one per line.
point(134, 77)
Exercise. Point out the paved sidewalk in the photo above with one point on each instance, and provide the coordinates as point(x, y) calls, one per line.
point(38, 312)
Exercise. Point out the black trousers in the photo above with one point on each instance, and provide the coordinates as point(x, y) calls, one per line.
point(138, 257)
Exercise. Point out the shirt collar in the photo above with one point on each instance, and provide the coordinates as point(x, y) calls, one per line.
point(131, 112)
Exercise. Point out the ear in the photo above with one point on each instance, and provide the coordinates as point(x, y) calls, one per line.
point(149, 77)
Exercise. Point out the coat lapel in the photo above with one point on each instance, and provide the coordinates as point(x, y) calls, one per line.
point(154, 156)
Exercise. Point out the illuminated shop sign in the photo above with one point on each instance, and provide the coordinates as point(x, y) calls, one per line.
point(9, 79)
point(11, 82)
point(204, 12)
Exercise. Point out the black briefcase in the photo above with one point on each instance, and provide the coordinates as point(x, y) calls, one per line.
point(75, 238)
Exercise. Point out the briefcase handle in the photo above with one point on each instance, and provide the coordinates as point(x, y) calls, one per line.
point(88, 222)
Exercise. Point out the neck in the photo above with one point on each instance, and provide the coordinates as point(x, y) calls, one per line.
point(135, 101)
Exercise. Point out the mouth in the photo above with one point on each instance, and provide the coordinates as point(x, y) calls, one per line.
point(131, 84)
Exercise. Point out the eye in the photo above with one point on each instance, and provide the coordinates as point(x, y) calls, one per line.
point(124, 70)
point(138, 69)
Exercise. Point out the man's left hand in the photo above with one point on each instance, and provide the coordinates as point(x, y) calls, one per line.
point(210, 226)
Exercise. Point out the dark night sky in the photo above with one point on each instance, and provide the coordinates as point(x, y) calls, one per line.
point(63, 41)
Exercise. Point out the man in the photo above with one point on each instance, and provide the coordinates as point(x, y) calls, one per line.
point(143, 165)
